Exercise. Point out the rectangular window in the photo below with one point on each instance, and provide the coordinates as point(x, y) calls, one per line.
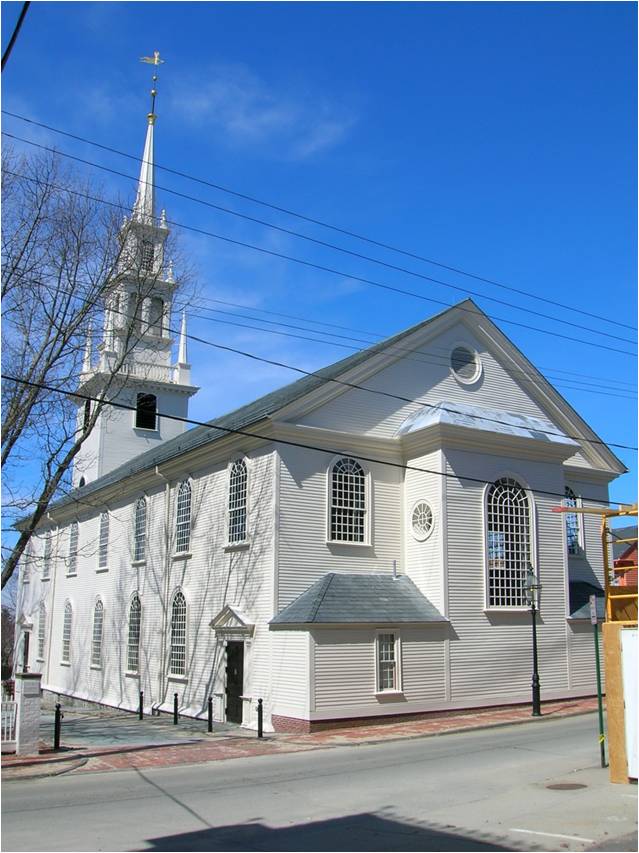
point(46, 558)
point(103, 545)
point(148, 255)
point(387, 662)
point(74, 535)
point(156, 316)
point(145, 411)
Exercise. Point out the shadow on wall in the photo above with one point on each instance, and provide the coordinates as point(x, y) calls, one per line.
point(356, 832)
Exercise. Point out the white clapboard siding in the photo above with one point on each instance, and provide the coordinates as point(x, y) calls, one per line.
point(304, 554)
point(423, 560)
point(289, 672)
point(490, 652)
point(581, 649)
point(344, 667)
point(424, 379)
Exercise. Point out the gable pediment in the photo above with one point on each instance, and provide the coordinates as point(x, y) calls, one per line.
point(231, 622)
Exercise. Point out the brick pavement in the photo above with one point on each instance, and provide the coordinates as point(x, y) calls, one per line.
point(219, 747)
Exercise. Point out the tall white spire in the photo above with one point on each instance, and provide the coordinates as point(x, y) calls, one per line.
point(144, 207)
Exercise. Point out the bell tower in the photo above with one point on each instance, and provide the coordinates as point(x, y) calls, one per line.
point(135, 355)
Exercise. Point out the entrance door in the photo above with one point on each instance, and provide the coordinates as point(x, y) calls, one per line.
point(234, 681)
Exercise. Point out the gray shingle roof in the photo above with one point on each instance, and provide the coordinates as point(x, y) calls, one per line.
point(580, 593)
point(358, 599)
point(243, 417)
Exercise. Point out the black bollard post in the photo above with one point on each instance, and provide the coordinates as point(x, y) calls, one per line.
point(175, 709)
point(141, 707)
point(210, 713)
point(260, 719)
point(57, 726)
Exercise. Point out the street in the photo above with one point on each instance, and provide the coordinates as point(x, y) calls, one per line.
point(482, 790)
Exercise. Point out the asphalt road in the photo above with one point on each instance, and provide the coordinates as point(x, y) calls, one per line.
point(484, 790)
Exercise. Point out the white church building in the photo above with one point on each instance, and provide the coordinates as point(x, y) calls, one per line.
point(354, 545)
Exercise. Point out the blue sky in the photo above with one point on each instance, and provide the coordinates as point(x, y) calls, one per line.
point(495, 137)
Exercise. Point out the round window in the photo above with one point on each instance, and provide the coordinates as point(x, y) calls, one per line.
point(465, 364)
point(422, 520)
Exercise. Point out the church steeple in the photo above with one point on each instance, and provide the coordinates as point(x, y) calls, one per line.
point(136, 352)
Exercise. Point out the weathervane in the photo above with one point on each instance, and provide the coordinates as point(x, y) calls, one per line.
point(153, 60)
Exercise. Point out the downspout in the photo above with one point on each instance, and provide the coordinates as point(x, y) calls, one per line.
point(162, 678)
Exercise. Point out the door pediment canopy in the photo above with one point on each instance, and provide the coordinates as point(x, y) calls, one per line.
point(231, 623)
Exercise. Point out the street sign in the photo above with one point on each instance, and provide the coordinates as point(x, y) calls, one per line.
point(593, 609)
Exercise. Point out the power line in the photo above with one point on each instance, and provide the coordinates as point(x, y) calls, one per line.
point(314, 240)
point(14, 34)
point(321, 223)
point(340, 273)
point(270, 439)
point(425, 357)
point(245, 307)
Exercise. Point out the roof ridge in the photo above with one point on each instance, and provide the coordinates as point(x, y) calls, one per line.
point(315, 611)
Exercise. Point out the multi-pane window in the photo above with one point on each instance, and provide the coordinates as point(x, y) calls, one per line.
point(42, 631)
point(46, 557)
point(139, 530)
point(509, 543)
point(572, 523)
point(27, 560)
point(156, 315)
point(347, 501)
point(386, 662)
point(422, 520)
point(183, 518)
point(74, 534)
point(103, 541)
point(146, 411)
point(133, 645)
point(96, 643)
point(177, 663)
point(66, 632)
point(237, 501)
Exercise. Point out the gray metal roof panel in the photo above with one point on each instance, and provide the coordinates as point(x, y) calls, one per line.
point(359, 599)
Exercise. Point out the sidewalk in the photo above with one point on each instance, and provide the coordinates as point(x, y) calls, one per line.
point(201, 747)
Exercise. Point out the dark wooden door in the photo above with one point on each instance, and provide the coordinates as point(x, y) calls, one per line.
point(234, 681)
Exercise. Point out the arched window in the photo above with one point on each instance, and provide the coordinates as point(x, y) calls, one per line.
point(139, 530)
point(237, 501)
point(133, 645)
point(146, 409)
point(74, 535)
point(42, 631)
point(347, 501)
point(177, 663)
point(96, 644)
point(148, 255)
point(572, 523)
point(46, 557)
point(156, 315)
point(509, 543)
point(66, 632)
point(183, 518)
point(103, 542)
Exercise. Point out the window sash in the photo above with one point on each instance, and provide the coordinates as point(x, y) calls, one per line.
point(96, 640)
point(177, 663)
point(46, 557)
point(237, 502)
point(387, 662)
point(347, 502)
point(133, 644)
point(103, 544)
point(508, 544)
point(139, 533)
point(42, 632)
point(573, 526)
point(183, 519)
point(66, 633)
point(74, 535)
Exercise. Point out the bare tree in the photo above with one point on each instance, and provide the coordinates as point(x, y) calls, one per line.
point(64, 253)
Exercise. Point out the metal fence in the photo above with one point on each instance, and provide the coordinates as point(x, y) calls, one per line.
point(8, 724)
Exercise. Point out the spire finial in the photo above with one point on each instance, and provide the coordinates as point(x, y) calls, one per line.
point(153, 60)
